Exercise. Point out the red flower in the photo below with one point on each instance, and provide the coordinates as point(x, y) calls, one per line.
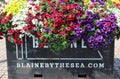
point(107, 24)
point(20, 42)
point(33, 17)
point(66, 35)
point(79, 13)
point(25, 29)
point(15, 41)
point(16, 34)
point(3, 13)
point(3, 20)
point(8, 18)
point(69, 29)
point(42, 44)
point(11, 31)
point(28, 20)
point(37, 8)
point(32, 4)
point(71, 6)
point(101, 11)
point(64, 7)
point(46, 24)
point(71, 17)
point(95, 4)
point(61, 32)
point(51, 3)
point(30, 8)
point(56, 20)
point(91, 7)
point(55, 24)
point(29, 14)
point(52, 9)
point(38, 34)
point(9, 39)
point(55, 31)
point(1, 33)
point(47, 16)
point(31, 27)
point(79, 25)
point(65, 0)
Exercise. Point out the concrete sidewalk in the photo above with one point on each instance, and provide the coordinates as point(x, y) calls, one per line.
point(3, 60)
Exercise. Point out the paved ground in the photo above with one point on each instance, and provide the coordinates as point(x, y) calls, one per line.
point(117, 59)
point(3, 62)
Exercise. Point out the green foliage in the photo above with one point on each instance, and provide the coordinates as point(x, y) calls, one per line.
point(57, 42)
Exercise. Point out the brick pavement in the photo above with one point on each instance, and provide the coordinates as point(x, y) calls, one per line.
point(3, 60)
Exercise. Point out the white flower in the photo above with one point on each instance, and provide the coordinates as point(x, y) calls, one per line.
point(35, 21)
point(1, 7)
point(40, 23)
point(19, 20)
point(21, 36)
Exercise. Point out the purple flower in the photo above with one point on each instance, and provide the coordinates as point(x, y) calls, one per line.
point(93, 0)
point(108, 29)
point(99, 38)
point(102, 2)
point(107, 19)
point(98, 24)
point(96, 16)
point(90, 40)
point(113, 26)
point(61, 0)
point(89, 27)
point(47, 30)
point(79, 7)
point(79, 21)
point(88, 13)
point(110, 41)
point(95, 30)
point(30, 0)
point(78, 32)
point(112, 16)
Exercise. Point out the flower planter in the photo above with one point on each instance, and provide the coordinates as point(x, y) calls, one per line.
point(30, 25)
point(29, 62)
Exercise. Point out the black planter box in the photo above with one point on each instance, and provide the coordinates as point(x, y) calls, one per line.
point(27, 61)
